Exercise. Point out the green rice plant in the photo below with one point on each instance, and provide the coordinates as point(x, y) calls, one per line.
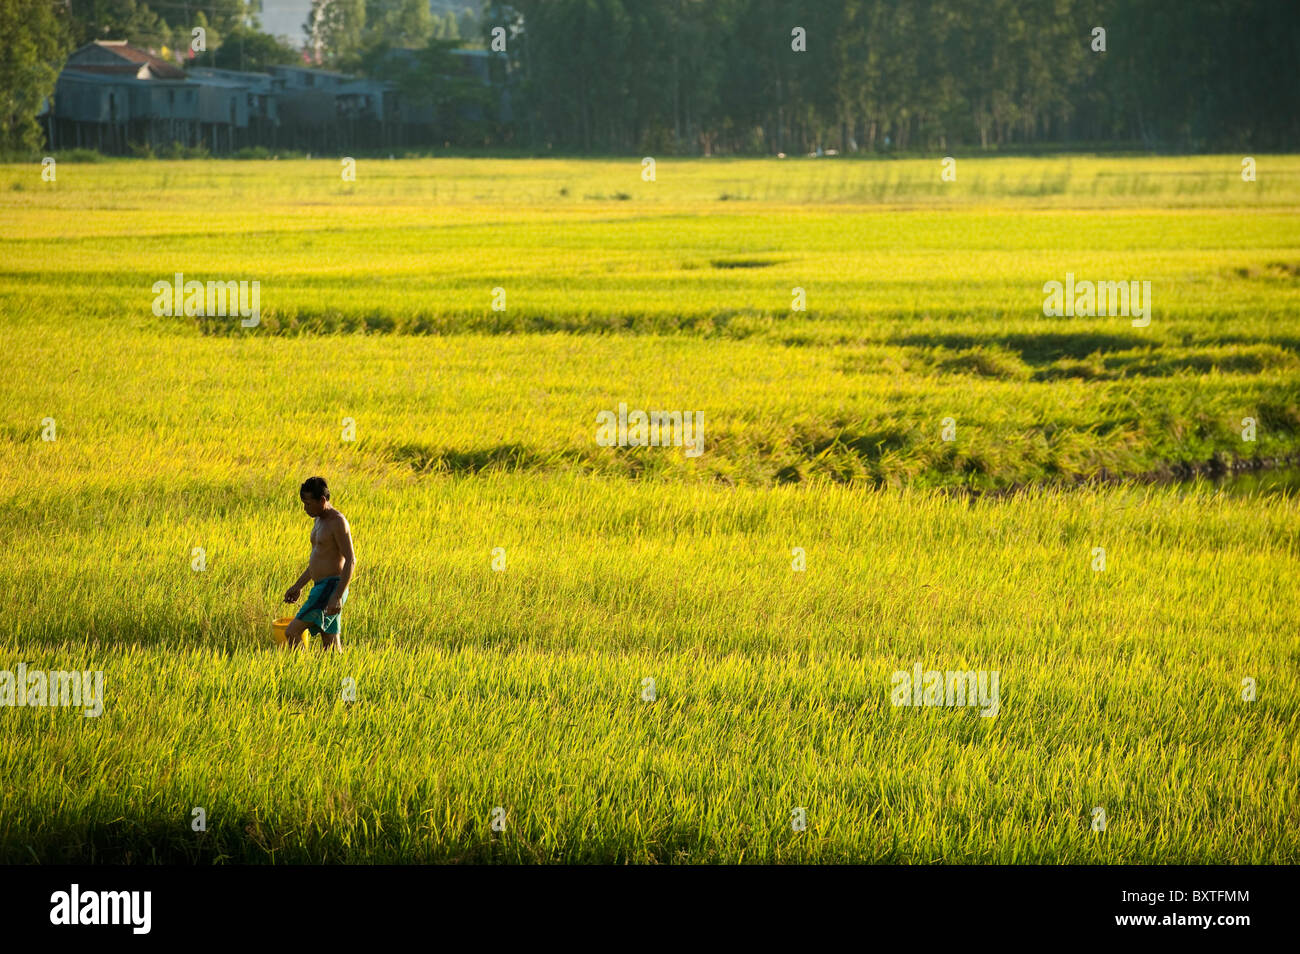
point(679, 653)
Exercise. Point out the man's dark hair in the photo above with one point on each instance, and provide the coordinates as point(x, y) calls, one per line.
point(314, 487)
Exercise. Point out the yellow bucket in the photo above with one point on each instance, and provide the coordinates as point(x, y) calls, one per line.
point(279, 627)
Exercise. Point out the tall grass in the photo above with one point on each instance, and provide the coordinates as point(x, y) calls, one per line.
point(181, 442)
point(522, 689)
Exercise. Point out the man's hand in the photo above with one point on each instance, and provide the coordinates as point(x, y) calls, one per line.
point(333, 607)
point(292, 593)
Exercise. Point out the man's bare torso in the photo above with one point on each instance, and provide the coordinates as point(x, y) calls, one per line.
point(326, 559)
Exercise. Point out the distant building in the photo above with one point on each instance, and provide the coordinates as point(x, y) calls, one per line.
point(260, 90)
point(324, 110)
point(112, 96)
point(118, 58)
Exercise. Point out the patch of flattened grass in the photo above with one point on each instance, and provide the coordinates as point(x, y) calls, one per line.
point(748, 262)
point(986, 362)
point(427, 459)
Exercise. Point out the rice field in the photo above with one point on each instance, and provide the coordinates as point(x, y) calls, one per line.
point(560, 651)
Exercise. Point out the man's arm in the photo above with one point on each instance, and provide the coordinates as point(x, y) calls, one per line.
point(343, 538)
point(291, 595)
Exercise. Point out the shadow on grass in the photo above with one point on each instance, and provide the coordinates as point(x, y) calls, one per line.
point(232, 836)
point(427, 459)
point(1032, 348)
point(246, 836)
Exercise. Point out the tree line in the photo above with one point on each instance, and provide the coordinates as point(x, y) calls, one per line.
point(736, 76)
point(755, 76)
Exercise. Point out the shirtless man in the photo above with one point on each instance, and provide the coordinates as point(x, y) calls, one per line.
point(330, 565)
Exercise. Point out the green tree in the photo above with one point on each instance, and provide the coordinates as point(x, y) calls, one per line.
point(695, 75)
point(430, 78)
point(132, 20)
point(247, 49)
point(401, 24)
point(337, 31)
point(34, 42)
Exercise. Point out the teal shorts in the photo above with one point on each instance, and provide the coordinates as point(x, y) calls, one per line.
point(313, 611)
